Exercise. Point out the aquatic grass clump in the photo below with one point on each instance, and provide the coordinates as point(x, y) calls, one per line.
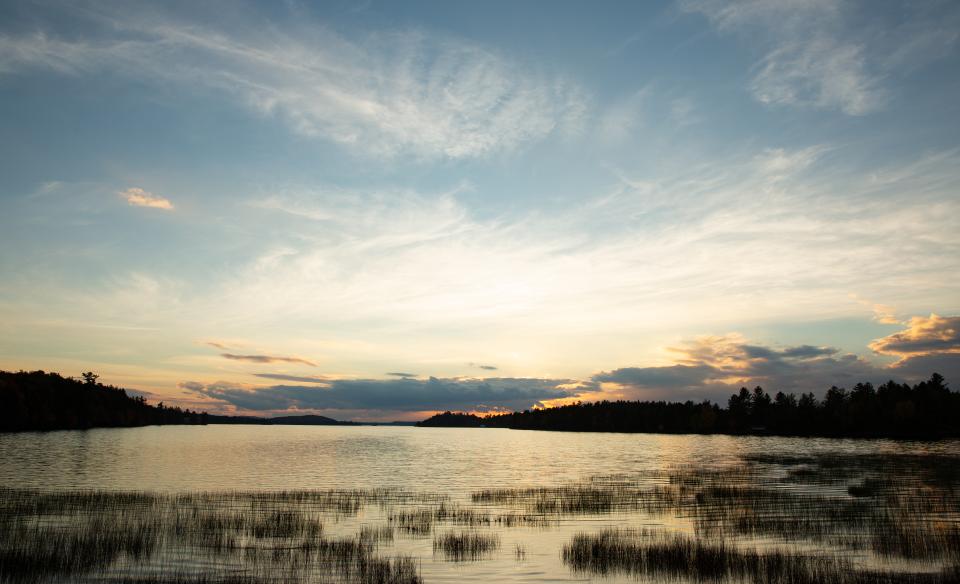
point(510, 520)
point(200, 537)
point(419, 521)
point(674, 556)
point(465, 545)
point(579, 499)
point(376, 534)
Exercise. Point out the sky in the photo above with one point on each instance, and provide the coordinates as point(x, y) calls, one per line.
point(379, 210)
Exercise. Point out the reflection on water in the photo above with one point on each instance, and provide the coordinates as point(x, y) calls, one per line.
point(393, 504)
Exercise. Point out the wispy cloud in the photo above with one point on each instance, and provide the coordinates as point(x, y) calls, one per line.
point(138, 197)
point(882, 313)
point(294, 378)
point(406, 92)
point(759, 236)
point(484, 366)
point(267, 359)
point(814, 56)
point(824, 73)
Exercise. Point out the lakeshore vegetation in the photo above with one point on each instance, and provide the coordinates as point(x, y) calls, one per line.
point(926, 410)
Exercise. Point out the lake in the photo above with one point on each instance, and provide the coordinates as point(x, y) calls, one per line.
point(281, 502)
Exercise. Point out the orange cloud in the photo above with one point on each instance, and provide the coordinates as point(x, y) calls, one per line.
point(710, 367)
point(923, 336)
point(140, 198)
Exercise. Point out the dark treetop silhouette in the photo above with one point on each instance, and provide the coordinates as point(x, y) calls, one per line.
point(47, 401)
point(926, 410)
point(36, 400)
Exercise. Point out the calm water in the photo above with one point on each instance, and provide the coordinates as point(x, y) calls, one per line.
point(450, 462)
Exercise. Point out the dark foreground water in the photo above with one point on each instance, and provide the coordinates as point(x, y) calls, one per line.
point(394, 504)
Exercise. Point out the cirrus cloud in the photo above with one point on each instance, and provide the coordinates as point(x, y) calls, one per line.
point(267, 359)
point(831, 54)
point(390, 94)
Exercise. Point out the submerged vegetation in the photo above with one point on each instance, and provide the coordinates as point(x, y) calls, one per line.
point(828, 518)
point(925, 410)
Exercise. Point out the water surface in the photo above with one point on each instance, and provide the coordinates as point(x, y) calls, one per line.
point(637, 484)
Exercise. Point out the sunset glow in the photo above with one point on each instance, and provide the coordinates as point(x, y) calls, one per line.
point(385, 211)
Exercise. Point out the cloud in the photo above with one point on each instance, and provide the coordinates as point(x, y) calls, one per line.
point(622, 120)
point(401, 374)
point(755, 236)
point(828, 54)
point(928, 344)
point(712, 367)
point(295, 378)
point(138, 197)
point(705, 367)
point(484, 367)
point(267, 359)
point(384, 94)
point(923, 336)
point(194, 386)
point(405, 394)
point(919, 367)
point(824, 73)
point(666, 377)
point(882, 313)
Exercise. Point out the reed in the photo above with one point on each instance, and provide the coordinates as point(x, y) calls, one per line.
point(465, 545)
point(648, 554)
point(226, 537)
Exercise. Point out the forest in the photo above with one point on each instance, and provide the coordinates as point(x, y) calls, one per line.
point(925, 410)
point(37, 400)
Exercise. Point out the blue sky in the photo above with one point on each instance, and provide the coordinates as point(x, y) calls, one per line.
point(281, 205)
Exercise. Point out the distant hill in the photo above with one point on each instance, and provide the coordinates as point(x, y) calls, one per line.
point(452, 420)
point(306, 420)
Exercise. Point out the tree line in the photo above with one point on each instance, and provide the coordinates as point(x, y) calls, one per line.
point(898, 410)
point(36, 400)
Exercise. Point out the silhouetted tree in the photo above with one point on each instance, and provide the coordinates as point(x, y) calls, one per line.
point(46, 401)
point(926, 410)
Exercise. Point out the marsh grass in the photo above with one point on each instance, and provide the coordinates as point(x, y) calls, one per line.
point(419, 521)
point(579, 499)
point(887, 509)
point(465, 545)
point(831, 518)
point(254, 537)
point(651, 554)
